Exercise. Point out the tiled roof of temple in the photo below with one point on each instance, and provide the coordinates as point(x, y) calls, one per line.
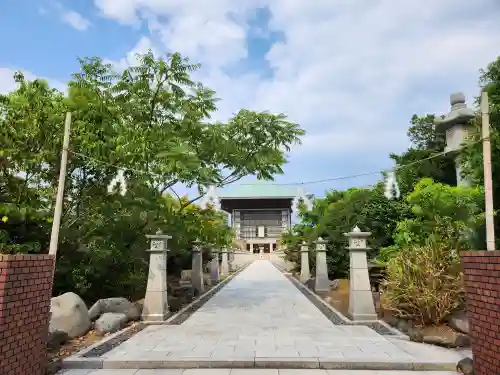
point(259, 189)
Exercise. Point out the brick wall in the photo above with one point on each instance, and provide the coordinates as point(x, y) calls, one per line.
point(25, 292)
point(482, 286)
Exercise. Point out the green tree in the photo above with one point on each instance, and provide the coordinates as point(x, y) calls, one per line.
point(338, 213)
point(448, 215)
point(153, 121)
point(425, 143)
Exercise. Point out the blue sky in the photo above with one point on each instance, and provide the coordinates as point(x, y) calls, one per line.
point(351, 72)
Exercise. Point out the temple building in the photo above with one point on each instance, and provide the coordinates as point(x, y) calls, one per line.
point(259, 212)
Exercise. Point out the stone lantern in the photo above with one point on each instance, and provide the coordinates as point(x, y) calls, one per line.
point(456, 127)
point(155, 302)
point(322, 283)
point(361, 306)
point(305, 273)
point(197, 268)
point(214, 266)
point(224, 267)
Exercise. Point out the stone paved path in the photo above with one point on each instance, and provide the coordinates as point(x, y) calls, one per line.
point(258, 316)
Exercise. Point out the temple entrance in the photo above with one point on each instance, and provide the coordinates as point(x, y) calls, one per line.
point(265, 247)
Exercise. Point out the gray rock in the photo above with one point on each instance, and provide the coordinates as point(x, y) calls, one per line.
point(466, 366)
point(56, 339)
point(110, 322)
point(69, 314)
point(334, 285)
point(114, 305)
point(459, 321)
point(139, 304)
point(404, 325)
point(462, 341)
point(440, 335)
point(310, 283)
point(186, 275)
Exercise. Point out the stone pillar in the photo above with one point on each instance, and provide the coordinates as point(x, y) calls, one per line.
point(305, 273)
point(456, 127)
point(155, 302)
point(214, 267)
point(361, 306)
point(251, 248)
point(230, 259)
point(322, 283)
point(236, 221)
point(224, 267)
point(197, 268)
point(285, 219)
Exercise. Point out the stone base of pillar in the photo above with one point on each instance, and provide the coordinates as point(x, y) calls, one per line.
point(321, 285)
point(361, 305)
point(155, 307)
point(214, 270)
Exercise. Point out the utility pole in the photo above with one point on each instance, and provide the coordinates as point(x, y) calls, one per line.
point(488, 180)
point(56, 223)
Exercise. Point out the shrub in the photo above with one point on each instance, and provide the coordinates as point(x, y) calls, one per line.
point(424, 283)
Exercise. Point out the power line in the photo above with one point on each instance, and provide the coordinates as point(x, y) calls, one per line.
point(396, 168)
point(297, 183)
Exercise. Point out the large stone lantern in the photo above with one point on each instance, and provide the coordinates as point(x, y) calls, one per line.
point(361, 306)
point(155, 302)
point(456, 127)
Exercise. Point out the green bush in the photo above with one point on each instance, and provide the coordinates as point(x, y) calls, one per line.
point(424, 283)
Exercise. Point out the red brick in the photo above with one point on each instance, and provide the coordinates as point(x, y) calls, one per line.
point(25, 291)
point(482, 291)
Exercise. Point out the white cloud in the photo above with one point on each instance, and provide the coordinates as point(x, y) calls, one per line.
point(143, 46)
point(351, 72)
point(75, 20)
point(7, 83)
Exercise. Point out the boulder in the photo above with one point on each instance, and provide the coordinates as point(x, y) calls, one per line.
point(465, 366)
point(69, 314)
point(441, 336)
point(114, 305)
point(139, 304)
point(334, 285)
point(404, 325)
point(459, 321)
point(186, 275)
point(56, 339)
point(310, 283)
point(207, 279)
point(110, 322)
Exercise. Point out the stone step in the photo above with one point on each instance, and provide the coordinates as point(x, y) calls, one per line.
point(259, 363)
point(252, 372)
